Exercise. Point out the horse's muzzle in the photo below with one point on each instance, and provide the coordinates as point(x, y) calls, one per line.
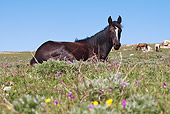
point(116, 46)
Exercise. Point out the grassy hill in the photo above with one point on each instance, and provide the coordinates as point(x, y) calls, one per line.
point(129, 82)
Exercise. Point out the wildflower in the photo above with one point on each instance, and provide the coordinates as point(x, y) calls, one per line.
point(102, 91)
point(74, 77)
point(59, 89)
point(95, 103)
point(56, 102)
point(69, 63)
point(59, 73)
point(165, 84)
point(111, 88)
point(71, 96)
point(150, 76)
point(47, 100)
point(91, 106)
point(7, 88)
point(27, 86)
point(23, 75)
point(124, 83)
point(80, 80)
point(43, 84)
point(136, 82)
point(9, 107)
point(124, 103)
point(109, 102)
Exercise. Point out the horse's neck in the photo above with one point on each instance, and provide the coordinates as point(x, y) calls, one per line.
point(102, 46)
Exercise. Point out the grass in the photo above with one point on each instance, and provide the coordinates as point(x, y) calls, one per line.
point(130, 82)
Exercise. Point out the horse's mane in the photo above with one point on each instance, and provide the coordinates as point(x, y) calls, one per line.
point(98, 38)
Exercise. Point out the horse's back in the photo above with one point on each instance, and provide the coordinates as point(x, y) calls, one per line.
point(44, 52)
point(62, 51)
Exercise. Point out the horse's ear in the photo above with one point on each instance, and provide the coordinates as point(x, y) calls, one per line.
point(110, 20)
point(119, 19)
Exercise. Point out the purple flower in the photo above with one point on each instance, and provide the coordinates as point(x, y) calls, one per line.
point(111, 88)
point(59, 73)
point(165, 84)
point(59, 89)
point(74, 77)
point(124, 83)
point(23, 75)
point(80, 80)
point(124, 103)
point(69, 63)
point(71, 96)
point(56, 102)
point(27, 86)
point(43, 84)
point(91, 106)
point(101, 91)
point(136, 82)
point(150, 76)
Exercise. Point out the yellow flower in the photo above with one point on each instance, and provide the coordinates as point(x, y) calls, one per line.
point(47, 100)
point(109, 102)
point(9, 107)
point(95, 103)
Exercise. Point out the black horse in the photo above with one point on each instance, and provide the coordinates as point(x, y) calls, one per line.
point(98, 45)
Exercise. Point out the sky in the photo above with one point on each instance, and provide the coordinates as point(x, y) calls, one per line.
point(26, 24)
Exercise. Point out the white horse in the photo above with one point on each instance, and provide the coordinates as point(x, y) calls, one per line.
point(147, 49)
point(157, 47)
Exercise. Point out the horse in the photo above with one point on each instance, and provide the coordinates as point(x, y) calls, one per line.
point(98, 45)
point(142, 45)
point(157, 47)
point(165, 43)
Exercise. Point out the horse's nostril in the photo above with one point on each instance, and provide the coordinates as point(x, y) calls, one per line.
point(114, 44)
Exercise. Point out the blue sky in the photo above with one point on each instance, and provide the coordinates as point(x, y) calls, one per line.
point(26, 24)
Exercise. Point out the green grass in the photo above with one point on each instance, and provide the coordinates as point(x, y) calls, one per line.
point(141, 79)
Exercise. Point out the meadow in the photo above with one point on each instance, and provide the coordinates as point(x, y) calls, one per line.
point(129, 82)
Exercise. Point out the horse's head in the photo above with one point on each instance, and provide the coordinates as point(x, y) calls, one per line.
point(115, 32)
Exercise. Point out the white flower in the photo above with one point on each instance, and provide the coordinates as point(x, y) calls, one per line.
point(131, 54)
point(7, 88)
